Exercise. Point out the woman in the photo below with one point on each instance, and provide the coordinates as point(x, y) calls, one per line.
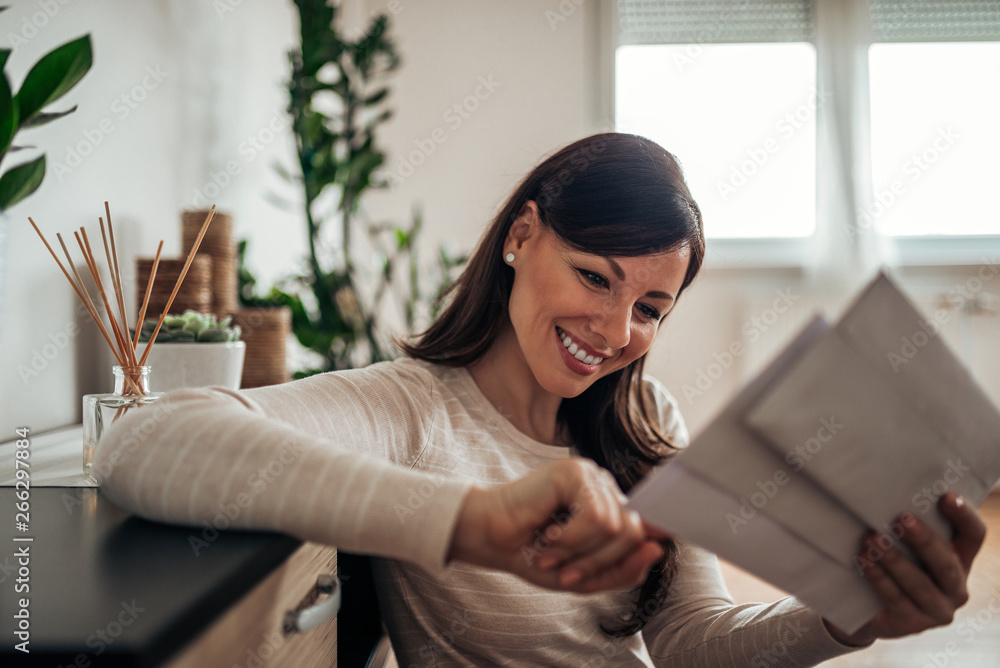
point(456, 465)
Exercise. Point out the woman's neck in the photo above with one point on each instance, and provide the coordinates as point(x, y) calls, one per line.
point(504, 377)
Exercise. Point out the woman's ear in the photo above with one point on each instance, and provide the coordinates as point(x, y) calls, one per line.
point(524, 227)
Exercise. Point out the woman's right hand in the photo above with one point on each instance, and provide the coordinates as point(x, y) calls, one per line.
point(563, 527)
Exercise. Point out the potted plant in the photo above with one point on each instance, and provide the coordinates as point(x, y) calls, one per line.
point(48, 80)
point(337, 100)
point(194, 350)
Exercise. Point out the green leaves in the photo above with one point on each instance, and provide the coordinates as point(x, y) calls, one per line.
point(50, 78)
point(43, 118)
point(20, 182)
point(53, 76)
point(8, 115)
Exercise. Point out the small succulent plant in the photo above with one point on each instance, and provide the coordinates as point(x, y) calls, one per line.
point(191, 327)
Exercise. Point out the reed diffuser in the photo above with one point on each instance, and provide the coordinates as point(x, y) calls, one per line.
point(131, 373)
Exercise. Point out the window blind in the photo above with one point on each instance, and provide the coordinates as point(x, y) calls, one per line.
point(734, 21)
point(714, 21)
point(935, 20)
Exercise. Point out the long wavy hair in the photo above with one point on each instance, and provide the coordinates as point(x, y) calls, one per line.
point(611, 194)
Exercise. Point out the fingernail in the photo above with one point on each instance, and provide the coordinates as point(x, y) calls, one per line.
point(959, 501)
point(916, 527)
point(546, 563)
point(570, 578)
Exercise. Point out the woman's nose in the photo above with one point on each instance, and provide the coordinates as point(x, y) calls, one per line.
point(614, 324)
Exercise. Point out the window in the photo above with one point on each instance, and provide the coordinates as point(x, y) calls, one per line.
point(935, 138)
point(906, 150)
point(741, 118)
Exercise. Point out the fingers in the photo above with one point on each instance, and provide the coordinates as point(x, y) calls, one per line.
point(918, 598)
point(614, 551)
point(943, 565)
point(596, 521)
point(597, 544)
point(910, 594)
point(970, 530)
point(630, 572)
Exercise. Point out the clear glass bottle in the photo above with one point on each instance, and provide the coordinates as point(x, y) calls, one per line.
point(101, 410)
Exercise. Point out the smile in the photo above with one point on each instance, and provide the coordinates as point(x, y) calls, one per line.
point(577, 350)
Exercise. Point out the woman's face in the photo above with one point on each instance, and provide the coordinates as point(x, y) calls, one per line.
point(608, 309)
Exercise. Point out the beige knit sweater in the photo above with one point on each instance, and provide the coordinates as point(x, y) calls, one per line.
point(377, 461)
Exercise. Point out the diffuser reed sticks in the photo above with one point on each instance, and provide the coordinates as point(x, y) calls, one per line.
point(122, 346)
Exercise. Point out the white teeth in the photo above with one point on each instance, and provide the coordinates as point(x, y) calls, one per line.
point(578, 352)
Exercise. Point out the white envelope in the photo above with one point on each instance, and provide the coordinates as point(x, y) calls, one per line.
point(733, 458)
point(680, 501)
point(912, 422)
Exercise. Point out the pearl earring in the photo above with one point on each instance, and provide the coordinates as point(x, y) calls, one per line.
point(509, 257)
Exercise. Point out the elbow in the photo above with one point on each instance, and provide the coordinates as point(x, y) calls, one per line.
point(127, 442)
point(138, 436)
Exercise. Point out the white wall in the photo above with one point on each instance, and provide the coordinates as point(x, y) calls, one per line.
point(224, 84)
point(216, 79)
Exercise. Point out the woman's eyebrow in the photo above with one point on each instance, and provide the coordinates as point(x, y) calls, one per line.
point(615, 267)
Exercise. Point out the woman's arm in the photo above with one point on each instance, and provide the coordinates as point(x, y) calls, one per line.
point(701, 626)
point(310, 459)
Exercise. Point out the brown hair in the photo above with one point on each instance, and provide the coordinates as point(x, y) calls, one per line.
point(611, 194)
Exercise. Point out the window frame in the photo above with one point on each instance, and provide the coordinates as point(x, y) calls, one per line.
point(806, 252)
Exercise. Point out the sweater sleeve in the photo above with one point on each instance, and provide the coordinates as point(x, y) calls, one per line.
point(700, 624)
point(326, 459)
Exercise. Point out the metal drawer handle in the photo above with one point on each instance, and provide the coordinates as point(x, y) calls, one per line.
point(308, 614)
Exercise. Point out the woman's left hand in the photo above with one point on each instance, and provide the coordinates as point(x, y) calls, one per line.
point(917, 599)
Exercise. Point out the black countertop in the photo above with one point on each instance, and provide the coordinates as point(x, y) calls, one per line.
point(110, 589)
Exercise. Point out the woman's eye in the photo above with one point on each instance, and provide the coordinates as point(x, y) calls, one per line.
point(591, 277)
point(650, 312)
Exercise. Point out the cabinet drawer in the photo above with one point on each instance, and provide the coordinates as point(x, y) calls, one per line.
point(250, 633)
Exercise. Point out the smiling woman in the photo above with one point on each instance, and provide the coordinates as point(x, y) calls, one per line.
point(485, 469)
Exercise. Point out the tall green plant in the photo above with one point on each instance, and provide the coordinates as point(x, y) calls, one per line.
point(337, 100)
point(51, 77)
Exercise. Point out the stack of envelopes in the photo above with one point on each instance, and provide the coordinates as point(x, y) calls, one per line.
point(852, 427)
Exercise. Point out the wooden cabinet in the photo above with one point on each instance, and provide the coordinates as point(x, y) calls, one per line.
point(250, 634)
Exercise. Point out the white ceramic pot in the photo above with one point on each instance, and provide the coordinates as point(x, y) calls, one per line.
point(176, 365)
